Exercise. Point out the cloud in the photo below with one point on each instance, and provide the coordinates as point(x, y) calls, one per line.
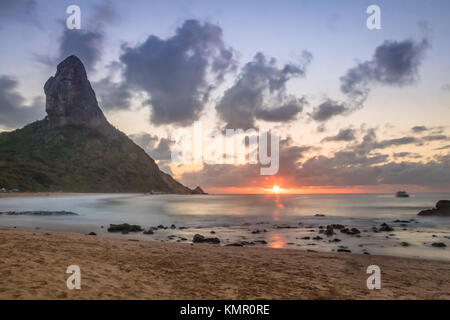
point(394, 63)
point(86, 43)
point(13, 111)
point(180, 72)
point(157, 148)
point(418, 129)
point(260, 93)
point(435, 137)
point(225, 175)
point(21, 11)
point(327, 110)
point(343, 135)
point(112, 95)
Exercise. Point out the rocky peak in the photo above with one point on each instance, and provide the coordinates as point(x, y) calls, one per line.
point(70, 98)
point(198, 190)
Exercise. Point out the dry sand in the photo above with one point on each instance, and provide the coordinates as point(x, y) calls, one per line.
point(33, 266)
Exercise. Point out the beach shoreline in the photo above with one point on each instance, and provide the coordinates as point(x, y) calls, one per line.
point(34, 263)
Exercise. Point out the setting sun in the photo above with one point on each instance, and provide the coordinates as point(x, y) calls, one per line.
point(276, 189)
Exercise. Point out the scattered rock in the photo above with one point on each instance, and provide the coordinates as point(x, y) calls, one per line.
point(261, 241)
point(213, 232)
point(310, 250)
point(335, 240)
point(234, 245)
point(149, 231)
point(344, 250)
point(173, 226)
point(352, 231)
point(201, 239)
point(319, 215)
point(330, 231)
point(317, 238)
point(405, 244)
point(401, 221)
point(338, 226)
point(92, 234)
point(385, 227)
point(124, 228)
point(439, 245)
point(305, 238)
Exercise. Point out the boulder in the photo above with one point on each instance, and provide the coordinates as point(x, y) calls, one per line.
point(385, 227)
point(351, 232)
point(330, 231)
point(201, 239)
point(124, 228)
point(442, 209)
point(439, 245)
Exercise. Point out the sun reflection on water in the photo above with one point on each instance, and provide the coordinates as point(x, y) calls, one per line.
point(276, 241)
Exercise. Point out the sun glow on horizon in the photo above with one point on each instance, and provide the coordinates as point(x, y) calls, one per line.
point(276, 189)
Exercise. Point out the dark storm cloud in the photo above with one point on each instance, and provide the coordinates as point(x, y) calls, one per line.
point(157, 148)
point(394, 63)
point(260, 93)
point(343, 135)
point(178, 73)
point(327, 110)
point(85, 44)
point(112, 96)
point(13, 111)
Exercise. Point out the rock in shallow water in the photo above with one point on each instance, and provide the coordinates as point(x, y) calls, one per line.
point(201, 239)
point(442, 209)
point(124, 228)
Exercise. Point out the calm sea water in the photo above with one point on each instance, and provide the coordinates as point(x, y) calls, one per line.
point(234, 217)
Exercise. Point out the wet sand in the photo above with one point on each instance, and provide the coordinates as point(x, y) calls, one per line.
point(33, 266)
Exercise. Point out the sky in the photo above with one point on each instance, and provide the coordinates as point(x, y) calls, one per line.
point(357, 110)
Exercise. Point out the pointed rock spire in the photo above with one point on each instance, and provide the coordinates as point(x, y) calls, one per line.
point(70, 98)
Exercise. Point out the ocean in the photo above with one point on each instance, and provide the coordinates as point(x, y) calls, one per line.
point(277, 221)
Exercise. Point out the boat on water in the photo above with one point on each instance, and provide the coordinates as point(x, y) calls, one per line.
point(402, 194)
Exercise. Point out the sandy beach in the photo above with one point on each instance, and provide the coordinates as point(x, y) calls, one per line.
point(33, 266)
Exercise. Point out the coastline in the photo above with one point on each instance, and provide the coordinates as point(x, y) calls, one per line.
point(34, 263)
